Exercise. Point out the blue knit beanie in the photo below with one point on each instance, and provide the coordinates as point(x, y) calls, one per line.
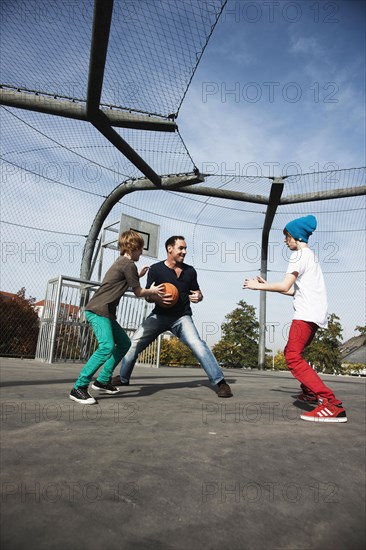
point(301, 228)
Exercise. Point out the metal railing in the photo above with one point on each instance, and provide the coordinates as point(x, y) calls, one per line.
point(65, 335)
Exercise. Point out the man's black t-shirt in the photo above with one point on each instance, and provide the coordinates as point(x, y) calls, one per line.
point(160, 273)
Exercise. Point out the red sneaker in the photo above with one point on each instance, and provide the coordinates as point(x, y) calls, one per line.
point(326, 412)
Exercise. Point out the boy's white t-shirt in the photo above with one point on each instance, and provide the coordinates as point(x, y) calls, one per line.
point(310, 298)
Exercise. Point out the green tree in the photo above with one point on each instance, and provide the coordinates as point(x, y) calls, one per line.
point(324, 351)
point(19, 326)
point(353, 368)
point(238, 346)
point(361, 330)
point(174, 353)
point(279, 361)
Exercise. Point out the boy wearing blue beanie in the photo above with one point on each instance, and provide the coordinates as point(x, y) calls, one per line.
point(304, 281)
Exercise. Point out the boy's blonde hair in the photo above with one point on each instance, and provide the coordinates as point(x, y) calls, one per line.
point(129, 241)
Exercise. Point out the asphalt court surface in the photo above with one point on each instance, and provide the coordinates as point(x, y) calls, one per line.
point(168, 465)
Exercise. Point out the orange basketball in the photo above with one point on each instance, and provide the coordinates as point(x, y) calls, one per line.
point(171, 289)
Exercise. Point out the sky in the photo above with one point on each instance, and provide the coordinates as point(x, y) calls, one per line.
point(279, 90)
point(287, 87)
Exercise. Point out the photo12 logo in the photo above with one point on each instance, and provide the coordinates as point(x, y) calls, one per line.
point(68, 491)
point(253, 92)
point(249, 412)
point(71, 12)
point(269, 491)
point(36, 252)
point(269, 11)
point(34, 412)
point(250, 252)
point(327, 173)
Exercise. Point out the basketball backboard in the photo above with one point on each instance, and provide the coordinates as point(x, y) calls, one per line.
point(150, 232)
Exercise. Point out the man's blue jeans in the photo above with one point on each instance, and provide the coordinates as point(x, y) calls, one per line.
point(184, 329)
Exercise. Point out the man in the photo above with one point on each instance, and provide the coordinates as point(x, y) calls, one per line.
point(177, 318)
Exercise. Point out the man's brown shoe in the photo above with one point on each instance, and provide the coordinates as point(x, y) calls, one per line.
point(116, 381)
point(224, 389)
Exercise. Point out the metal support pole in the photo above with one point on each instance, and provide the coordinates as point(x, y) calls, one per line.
point(76, 109)
point(103, 10)
point(55, 319)
point(158, 352)
point(101, 248)
point(101, 123)
point(274, 200)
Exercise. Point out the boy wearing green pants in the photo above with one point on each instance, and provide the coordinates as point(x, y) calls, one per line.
point(113, 342)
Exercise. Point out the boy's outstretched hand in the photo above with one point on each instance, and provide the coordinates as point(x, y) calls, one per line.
point(254, 284)
point(158, 290)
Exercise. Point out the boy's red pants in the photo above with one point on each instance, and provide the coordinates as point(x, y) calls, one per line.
point(301, 335)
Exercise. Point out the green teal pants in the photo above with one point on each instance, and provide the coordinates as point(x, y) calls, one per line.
point(113, 345)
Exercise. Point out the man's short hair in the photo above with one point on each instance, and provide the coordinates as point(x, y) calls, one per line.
point(172, 240)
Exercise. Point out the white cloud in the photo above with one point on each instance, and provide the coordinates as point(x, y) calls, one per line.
point(308, 45)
